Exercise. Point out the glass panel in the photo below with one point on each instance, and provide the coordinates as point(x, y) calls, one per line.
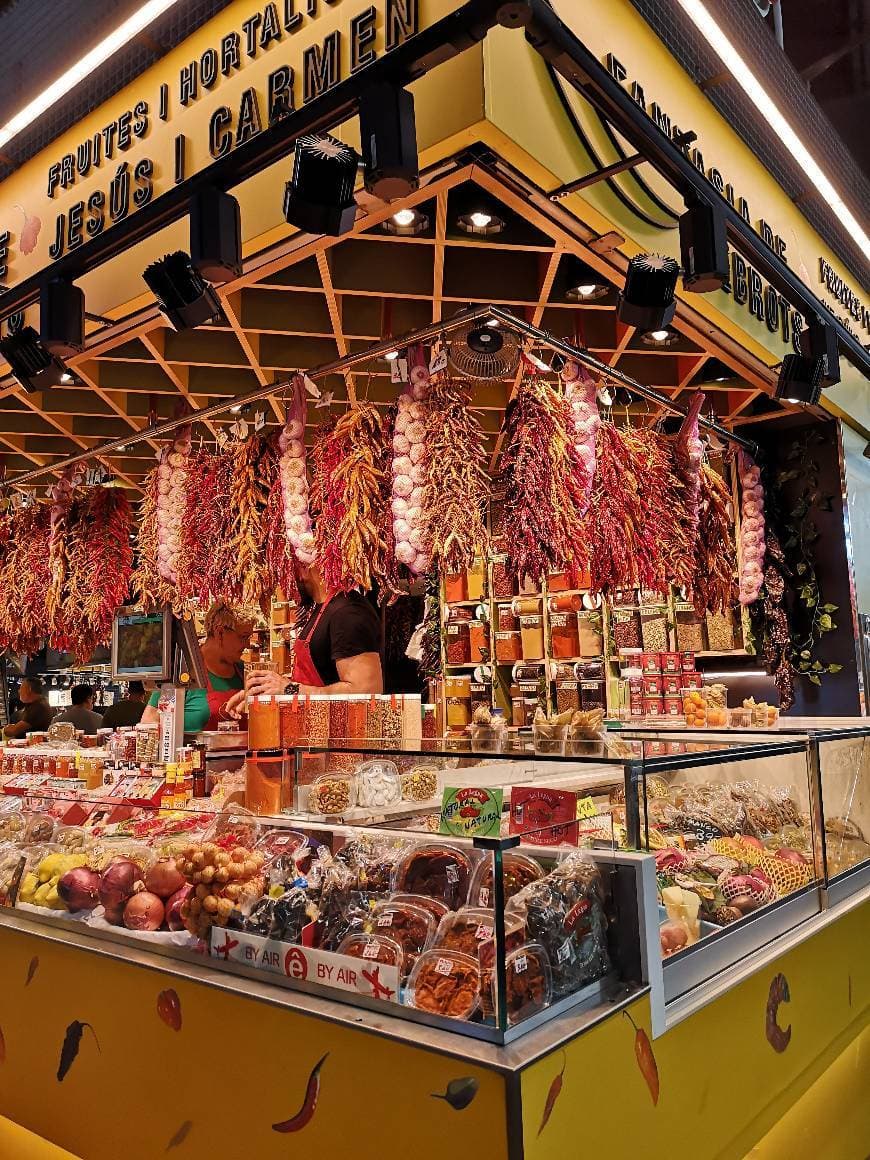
point(844, 765)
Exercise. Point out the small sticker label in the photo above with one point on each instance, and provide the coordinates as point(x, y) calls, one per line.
point(521, 962)
point(385, 920)
point(483, 932)
point(370, 950)
point(565, 952)
point(452, 874)
point(444, 967)
point(586, 808)
point(438, 363)
point(259, 420)
point(483, 896)
point(221, 437)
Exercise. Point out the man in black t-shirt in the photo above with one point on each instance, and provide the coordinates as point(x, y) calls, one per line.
point(36, 715)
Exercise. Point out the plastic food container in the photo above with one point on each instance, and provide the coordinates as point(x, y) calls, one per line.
point(740, 718)
point(508, 647)
point(502, 581)
point(528, 982)
point(455, 587)
point(653, 685)
point(532, 637)
point(458, 643)
point(419, 784)
point(564, 634)
point(438, 869)
point(332, 793)
point(651, 662)
point(518, 870)
point(671, 662)
point(590, 634)
point(374, 947)
point(378, 784)
point(445, 982)
point(281, 842)
point(475, 579)
point(653, 707)
point(478, 639)
point(264, 769)
point(409, 924)
point(695, 708)
point(264, 723)
point(464, 930)
point(433, 906)
point(506, 620)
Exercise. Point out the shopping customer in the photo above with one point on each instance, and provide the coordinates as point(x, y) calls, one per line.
point(128, 711)
point(81, 712)
point(227, 635)
point(35, 716)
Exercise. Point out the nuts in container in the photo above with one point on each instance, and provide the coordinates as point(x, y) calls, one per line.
point(331, 793)
point(654, 634)
point(420, 783)
point(378, 784)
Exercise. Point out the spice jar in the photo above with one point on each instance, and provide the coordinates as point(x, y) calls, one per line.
point(567, 695)
point(506, 619)
point(264, 723)
point(721, 631)
point(318, 720)
point(458, 696)
point(455, 587)
point(654, 633)
point(508, 647)
point(592, 695)
point(518, 712)
point(338, 721)
point(626, 628)
point(590, 635)
point(564, 634)
point(478, 642)
point(458, 644)
point(475, 579)
point(502, 581)
point(532, 637)
point(263, 781)
point(374, 719)
point(558, 581)
point(565, 602)
point(690, 632)
point(357, 712)
point(412, 718)
point(392, 720)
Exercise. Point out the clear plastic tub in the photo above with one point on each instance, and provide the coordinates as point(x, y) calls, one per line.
point(445, 982)
point(378, 784)
point(465, 930)
point(440, 870)
point(433, 906)
point(528, 982)
point(411, 925)
point(375, 948)
point(518, 870)
point(332, 793)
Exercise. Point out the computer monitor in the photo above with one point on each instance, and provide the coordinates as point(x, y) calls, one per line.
point(142, 645)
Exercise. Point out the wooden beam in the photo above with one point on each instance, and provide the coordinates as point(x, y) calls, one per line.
point(332, 305)
point(154, 341)
point(232, 307)
point(440, 254)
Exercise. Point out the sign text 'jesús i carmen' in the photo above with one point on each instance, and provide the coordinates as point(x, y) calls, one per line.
point(289, 85)
point(747, 286)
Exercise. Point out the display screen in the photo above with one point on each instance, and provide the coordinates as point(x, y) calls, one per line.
point(140, 644)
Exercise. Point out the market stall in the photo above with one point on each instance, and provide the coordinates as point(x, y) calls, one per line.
point(575, 832)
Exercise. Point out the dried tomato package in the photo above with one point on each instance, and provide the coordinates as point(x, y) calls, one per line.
point(518, 870)
point(529, 982)
point(564, 912)
point(439, 870)
point(412, 927)
point(445, 982)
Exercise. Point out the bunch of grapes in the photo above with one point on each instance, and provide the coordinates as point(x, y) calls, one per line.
point(224, 878)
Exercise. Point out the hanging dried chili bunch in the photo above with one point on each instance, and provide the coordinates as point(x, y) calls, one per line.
point(713, 586)
point(664, 541)
point(456, 492)
point(25, 576)
point(616, 513)
point(255, 472)
point(352, 484)
point(206, 553)
point(543, 482)
point(62, 500)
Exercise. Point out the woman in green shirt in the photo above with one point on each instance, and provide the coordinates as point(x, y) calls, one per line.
point(227, 635)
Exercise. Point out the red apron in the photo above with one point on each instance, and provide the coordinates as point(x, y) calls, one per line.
point(217, 699)
point(304, 669)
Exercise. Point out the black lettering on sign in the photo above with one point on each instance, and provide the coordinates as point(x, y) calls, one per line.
point(208, 68)
point(756, 303)
point(661, 118)
point(249, 27)
point(187, 83)
point(616, 68)
point(56, 248)
point(797, 325)
point(401, 22)
point(74, 227)
point(771, 309)
point(124, 130)
point(96, 214)
point(220, 142)
point(729, 193)
point(140, 125)
point(230, 58)
point(362, 36)
point(163, 111)
point(779, 245)
point(109, 141)
point(321, 67)
point(67, 165)
point(280, 93)
point(637, 95)
point(292, 18)
point(698, 159)
point(143, 176)
point(53, 178)
point(765, 232)
point(83, 158)
point(739, 287)
point(4, 253)
point(271, 29)
point(180, 141)
point(743, 210)
point(784, 317)
point(716, 180)
point(249, 117)
point(119, 193)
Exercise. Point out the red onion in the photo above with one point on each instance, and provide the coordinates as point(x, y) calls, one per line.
point(144, 911)
point(164, 878)
point(788, 855)
point(79, 888)
point(119, 880)
point(173, 908)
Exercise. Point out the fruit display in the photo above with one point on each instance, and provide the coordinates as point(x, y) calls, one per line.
point(39, 886)
point(224, 877)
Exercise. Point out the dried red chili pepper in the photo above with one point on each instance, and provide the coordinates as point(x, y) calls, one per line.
point(309, 1104)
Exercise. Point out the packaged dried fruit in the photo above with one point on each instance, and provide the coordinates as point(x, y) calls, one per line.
point(433, 906)
point(409, 924)
point(445, 982)
point(466, 929)
point(374, 947)
point(518, 870)
point(528, 982)
point(440, 870)
point(332, 793)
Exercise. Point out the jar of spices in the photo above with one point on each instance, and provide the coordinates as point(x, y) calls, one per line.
point(592, 695)
point(564, 634)
point(263, 781)
point(455, 587)
point(429, 728)
point(478, 641)
point(654, 633)
point(475, 579)
point(502, 581)
point(392, 720)
point(590, 635)
point(721, 631)
point(318, 720)
point(357, 706)
point(506, 619)
point(690, 632)
point(508, 647)
point(518, 713)
point(375, 719)
point(558, 581)
point(264, 723)
point(625, 627)
point(458, 645)
point(412, 719)
point(532, 634)
point(567, 695)
point(338, 721)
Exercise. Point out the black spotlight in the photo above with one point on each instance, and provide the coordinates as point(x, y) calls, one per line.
point(32, 363)
point(182, 293)
point(703, 248)
point(388, 133)
point(819, 342)
point(319, 196)
point(216, 235)
point(485, 340)
point(583, 284)
point(61, 317)
point(800, 380)
point(647, 302)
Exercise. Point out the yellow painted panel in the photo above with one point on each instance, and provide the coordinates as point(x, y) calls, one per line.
point(236, 1067)
point(721, 1083)
point(16, 1143)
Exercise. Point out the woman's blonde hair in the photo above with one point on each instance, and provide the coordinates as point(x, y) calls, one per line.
point(222, 615)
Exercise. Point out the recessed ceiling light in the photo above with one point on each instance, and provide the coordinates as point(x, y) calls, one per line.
point(480, 221)
point(405, 217)
point(406, 223)
point(753, 88)
point(660, 337)
point(66, 377)
point(146, 14)
point(493, 322)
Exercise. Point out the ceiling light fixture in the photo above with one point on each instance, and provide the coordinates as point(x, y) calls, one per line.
point(406, 223)
point(66, 377)
point(819, 342)
point(405, 217)
point(61, 317)
point(91, 61)
point(753, 88)
point(661, 336)
point(647, 299)
point(319, 197)
point(800, 380)
point(182, 293)
point(583, 283)
point(703, 248)
point(31, 363)
point(388, 137)
point(480, 221)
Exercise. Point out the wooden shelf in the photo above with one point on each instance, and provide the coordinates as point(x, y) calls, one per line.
point(731, 652)
point(466, 603)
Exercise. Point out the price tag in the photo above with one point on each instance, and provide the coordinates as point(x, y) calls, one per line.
point(586, 808)
point(259, 420)
point(483, 896)
point(521, 963)
point(399, 370)
point(311, 387)
point(385, 920)
point(221, 437)
point(371, 950)
point(438, 362)
point(483, 932)
point(444, 967)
